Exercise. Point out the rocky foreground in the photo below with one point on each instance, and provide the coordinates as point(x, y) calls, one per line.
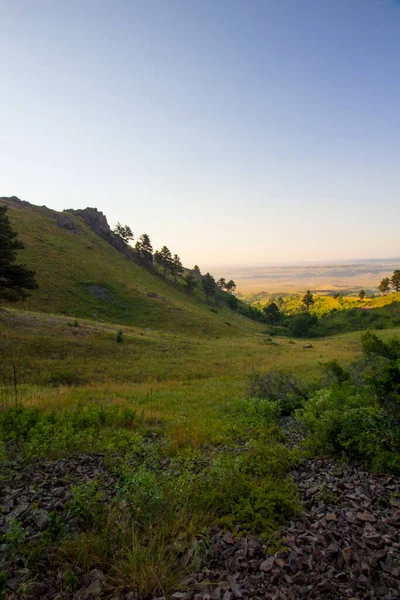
point(345, 544)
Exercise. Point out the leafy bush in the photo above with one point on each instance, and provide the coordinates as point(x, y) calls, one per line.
point(286, 391)
point(231, 301)
point(343, 420)
point(91, 428)
point(67, 378)
point(302, 325)
point(87, 505)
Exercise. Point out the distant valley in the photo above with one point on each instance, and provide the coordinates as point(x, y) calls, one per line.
point(324, 278)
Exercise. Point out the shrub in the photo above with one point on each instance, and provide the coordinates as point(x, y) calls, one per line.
point(283, 389)
point(302, 325)
point(67, 378)
point(119, 338)
point(231, 301)
point(343, 420)
point(87, 505)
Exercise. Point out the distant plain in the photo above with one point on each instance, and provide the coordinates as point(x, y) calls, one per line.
point(324, 278)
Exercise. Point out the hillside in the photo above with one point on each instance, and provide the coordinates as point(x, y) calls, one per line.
point(339, 314)
point(80, 274)
point(155, 446)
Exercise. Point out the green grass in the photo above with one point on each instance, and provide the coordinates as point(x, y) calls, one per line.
point(161, 389)
point(81, 275)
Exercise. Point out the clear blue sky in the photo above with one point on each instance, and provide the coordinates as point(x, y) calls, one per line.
point(234, 131)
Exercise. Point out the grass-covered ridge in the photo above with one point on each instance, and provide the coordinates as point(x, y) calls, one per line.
point(81, 275)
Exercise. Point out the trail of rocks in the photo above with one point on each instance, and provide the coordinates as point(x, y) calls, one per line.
point(345, 544)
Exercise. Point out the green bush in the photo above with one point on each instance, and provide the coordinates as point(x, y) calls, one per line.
point(119, 337)
point(87, 505)
point(343, 420)
point(303, 325)
point(67, 378)
point(91, 428)
point(285, 390)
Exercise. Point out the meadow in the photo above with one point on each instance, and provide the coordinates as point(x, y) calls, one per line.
point(152, 414)
point(60, 362)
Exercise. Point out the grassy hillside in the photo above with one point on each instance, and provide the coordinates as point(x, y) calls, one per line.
point(349, 313)
point(126, 408)
point(81, 275)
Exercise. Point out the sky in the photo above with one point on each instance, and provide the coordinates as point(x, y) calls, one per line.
point(233, 131)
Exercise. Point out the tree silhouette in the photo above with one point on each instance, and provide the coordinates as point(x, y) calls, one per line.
point(145, 249)
point(395, 280)
point(124, 232)
point(176, 266)
point(230, 286)
point(208, 283)
point(362, 294)
point(308, 300)
point(272, 314)
point(384, 285)
point(191, 282)
point(14, 278)
point(221, 283)
point(164, 259)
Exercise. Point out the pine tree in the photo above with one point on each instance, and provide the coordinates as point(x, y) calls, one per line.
point(145, 249)
point(176, 266)
point(208, 283)
point(308, 300)
point(272, 314)
point(14, 278)
point(191, 282)
point(384, 285)
point(230, 286)
point(124, 232)
point(395, 280)
point(164, 259)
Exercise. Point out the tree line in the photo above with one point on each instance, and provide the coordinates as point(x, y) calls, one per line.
point(390, 283)
point(171, 264)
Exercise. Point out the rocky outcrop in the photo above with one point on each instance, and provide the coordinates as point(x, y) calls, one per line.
point(13, 202)
point(98, 223)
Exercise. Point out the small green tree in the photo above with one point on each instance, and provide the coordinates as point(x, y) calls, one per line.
point(362, 294)
point(384, 286)
point(164, 259)
point(395, 280)
point(144, 249)
point(176, 266)
point(272, 314)
point(124, 232)
point(191, 282)
point(208, 283)
point(308, 300)
point(14, 279)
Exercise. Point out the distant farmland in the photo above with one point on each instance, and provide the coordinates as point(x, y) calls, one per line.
point(321, 277)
